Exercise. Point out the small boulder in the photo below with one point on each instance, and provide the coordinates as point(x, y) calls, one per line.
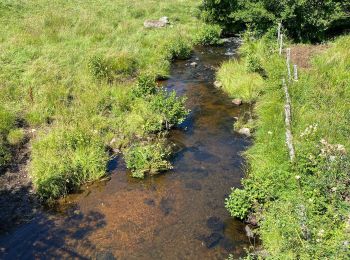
point(245, 131)
point(249, 232)
point(150, 202)
point(217, 84)
point(237, 101)
point(193, 64)
point(164, 19)
point(162, 22)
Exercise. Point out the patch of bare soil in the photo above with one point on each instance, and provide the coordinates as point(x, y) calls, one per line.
point(18, 202)
point(301, 55)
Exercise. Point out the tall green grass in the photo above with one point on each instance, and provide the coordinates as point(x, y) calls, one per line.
point(68, 70)
point(303, 207)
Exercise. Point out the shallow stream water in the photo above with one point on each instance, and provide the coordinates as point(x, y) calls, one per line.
point(177, 215)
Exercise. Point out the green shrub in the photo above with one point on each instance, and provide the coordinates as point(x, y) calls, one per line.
point(170, 107)
point(64, 159)
point(146, 86)
point(303, 20)
point(112, 68)
point(209, 35)
point(148, 158)
point(142, 119)
point(238, 203)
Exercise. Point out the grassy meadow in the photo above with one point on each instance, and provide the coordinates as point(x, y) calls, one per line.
point(302, 207)
point(77, 77)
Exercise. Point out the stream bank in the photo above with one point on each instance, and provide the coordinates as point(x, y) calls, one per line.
point(177, 215)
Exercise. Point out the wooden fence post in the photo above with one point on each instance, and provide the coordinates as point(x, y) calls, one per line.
point(279, 33)
point(288, 122)
point(281, 43)
point(295, 72)
point(288, 65)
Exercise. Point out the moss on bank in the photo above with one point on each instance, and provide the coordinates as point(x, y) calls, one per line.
point(303, 207)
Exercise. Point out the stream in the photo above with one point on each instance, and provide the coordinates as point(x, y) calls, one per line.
point(177, 215)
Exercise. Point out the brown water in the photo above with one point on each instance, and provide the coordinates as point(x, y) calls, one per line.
point(178, 215)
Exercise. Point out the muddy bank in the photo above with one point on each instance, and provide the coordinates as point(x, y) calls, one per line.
point(18, 203)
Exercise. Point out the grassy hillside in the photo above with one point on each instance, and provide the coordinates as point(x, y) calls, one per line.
point(303, 207)
point(68, 80)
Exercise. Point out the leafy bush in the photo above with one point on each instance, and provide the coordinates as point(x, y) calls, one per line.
point(238, 203)
point(209, 35)
point(148, 158)
point(146, 86)
point(217, 11)
point(303, 20)
point(170, 107)
point(111, 68)
point(64, 159)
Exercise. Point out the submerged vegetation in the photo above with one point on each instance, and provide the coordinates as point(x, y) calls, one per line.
point(79, 77)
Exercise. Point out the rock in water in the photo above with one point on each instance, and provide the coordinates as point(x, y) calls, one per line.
point(249, 232)
point(212, 240)
point(194, 64)
point(217, 84)
point(237, 101)
point(149, 202)
point(245, 131)
point(162, 22)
